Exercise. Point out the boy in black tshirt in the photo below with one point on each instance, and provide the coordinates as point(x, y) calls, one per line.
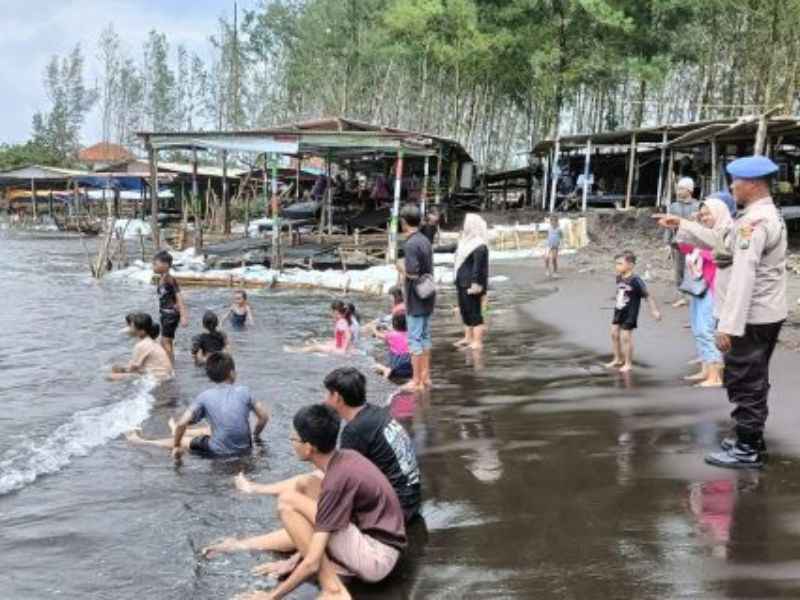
point(170, 302)
point(630, 291)
point(373, 432)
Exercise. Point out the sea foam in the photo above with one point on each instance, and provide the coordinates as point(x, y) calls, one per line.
point(77, 436)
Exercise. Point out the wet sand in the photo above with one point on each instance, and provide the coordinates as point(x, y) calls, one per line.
point(548, 476)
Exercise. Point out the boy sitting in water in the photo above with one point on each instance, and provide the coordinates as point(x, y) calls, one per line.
point(210, 341)
point(630, 291)
point(227, 409)
point(170, 302)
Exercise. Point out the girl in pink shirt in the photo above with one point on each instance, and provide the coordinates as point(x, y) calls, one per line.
point(342, 340)
point(398, 356)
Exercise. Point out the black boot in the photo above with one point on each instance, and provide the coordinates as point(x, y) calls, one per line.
point(741, 456)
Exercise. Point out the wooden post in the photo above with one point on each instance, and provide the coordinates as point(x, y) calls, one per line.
point(586, 171)
point(76, 195)
point(545, 180)
point(393, 224)
point(198, 221)
point(33, 199)
point(761, 134)
point(669, 178)
point(714, 173)
point(438, 197)
point(554, 182)
point(226, 201)
point(50, 203)
point(424, 194)
point(660, 185)
point(153, 155)
point(631, 171)
point(276, 262)
point(297, 177)
point(329, 190)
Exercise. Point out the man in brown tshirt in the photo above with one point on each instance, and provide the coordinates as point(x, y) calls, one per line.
point(355, 491)
point(356, 527)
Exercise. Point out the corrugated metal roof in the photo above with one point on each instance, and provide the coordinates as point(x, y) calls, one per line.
point(40, 173)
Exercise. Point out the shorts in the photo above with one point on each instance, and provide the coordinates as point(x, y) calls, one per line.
point(199, 445)
point(419, 333)
point(169, 324)
point(400, 365)
point(625, 319)
point(469, 305)
point(362, 555)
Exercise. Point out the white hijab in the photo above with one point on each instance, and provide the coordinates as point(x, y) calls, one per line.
point(474, 235)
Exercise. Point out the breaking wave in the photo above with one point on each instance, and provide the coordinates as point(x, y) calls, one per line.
point(81, 432)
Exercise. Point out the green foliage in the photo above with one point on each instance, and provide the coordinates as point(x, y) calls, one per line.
point(13, 156)
point(494, 74)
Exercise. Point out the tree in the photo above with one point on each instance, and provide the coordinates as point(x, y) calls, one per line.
point(110, 60)
point(159, 83)
point(59, 128)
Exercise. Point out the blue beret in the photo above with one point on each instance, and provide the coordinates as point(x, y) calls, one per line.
point(752, 167)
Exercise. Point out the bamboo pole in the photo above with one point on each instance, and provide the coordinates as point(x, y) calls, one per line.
point(153, 156)
point(660, 185)
point(554, 178)
point(631, 170)
point(586, 171)
point(392, 253)
point(226, 201)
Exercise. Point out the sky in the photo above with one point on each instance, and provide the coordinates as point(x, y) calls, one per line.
point(32, 31)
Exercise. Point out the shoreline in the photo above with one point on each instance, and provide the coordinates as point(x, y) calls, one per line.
point(661, 352)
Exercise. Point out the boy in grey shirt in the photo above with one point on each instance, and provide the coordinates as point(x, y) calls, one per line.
point(227, 409)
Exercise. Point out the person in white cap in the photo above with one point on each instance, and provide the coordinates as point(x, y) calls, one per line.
point(754, 307)
point(684, 207)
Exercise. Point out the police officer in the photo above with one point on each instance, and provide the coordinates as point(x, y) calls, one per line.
point(754, 305)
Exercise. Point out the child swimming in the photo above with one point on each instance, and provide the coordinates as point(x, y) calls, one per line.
point(239, 313)
point(398, 355)
point(149, 357)
point(212, 340)
point(342, 340)
point(170, 302)
point(227, 409)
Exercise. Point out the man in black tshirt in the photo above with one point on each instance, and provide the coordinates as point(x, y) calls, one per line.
point(373, 432)
point(417, 264)
point(369, 430)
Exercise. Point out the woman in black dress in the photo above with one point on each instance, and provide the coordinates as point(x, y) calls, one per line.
point(472, 275)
